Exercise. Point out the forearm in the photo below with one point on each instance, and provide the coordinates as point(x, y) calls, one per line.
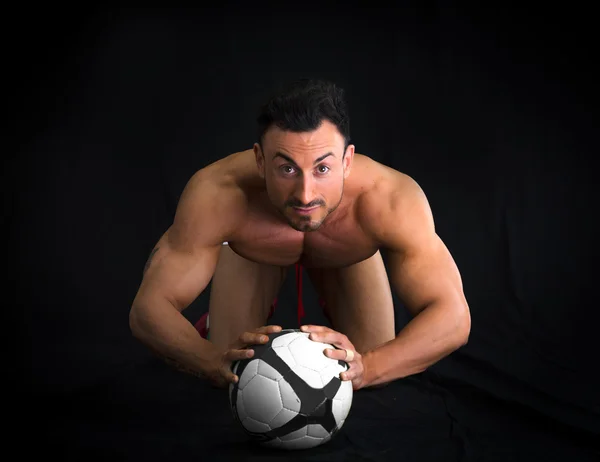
point(167, 333)
point(434, 333)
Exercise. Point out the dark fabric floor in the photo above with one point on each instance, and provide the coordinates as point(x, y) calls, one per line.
point(151, 413)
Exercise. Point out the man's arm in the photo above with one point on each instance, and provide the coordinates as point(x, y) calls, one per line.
point(179, 268)
point(427, 280)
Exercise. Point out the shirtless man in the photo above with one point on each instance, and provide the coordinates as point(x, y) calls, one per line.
point(302, 195)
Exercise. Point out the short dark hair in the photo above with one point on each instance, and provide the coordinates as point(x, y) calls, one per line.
point(302, 105)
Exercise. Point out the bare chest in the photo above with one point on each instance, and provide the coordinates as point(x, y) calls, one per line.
point(275, 243)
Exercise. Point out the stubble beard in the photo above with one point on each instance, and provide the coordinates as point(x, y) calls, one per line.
point(306, 224)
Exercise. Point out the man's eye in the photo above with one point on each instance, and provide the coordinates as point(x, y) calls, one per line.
point(287, 169)
point(322, 168)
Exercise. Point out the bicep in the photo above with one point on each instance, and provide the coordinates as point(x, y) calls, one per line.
point(421, 267)
point(424, 273)
point(184, 259)
point(176, 273)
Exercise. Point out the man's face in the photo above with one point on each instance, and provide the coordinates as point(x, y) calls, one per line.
point(304, 173)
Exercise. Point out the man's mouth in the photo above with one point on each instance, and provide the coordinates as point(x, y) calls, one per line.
point(305, 210)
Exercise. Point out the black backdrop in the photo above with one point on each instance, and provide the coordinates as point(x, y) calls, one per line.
point(490, 110)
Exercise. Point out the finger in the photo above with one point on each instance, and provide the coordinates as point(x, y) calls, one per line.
point(253, 338)
point(238, 355)
point(331, 337)
point(313, 328)
point(271, 329)
point(338, 355)
point(352, 373)
point(348, 357)
point(229, 376)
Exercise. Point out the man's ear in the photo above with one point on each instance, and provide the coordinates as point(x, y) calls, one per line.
point(260, 159)
point(348, 159)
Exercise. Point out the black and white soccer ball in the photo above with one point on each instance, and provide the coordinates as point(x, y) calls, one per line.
point(289, 394)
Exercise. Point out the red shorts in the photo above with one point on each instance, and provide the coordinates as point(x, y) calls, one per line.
point(201, 324)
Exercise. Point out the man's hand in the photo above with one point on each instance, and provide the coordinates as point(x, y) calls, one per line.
point(221, 374)
point(346, 352)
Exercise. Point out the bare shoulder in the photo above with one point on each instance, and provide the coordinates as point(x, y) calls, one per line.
point(386, 189)
point(395, 209)
point(211, 206)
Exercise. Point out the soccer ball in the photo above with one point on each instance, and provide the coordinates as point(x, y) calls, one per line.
point(289, 394)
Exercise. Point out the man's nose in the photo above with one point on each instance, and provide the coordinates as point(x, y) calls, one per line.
point(304, 190)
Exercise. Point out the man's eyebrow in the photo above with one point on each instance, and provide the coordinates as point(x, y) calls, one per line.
point(291, 161)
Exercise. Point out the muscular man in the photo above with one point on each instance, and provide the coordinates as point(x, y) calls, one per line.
point(302, 195)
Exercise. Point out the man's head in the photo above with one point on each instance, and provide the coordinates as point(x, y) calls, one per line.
point(304, 151)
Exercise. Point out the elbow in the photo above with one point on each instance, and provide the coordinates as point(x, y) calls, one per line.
point(134, 322)
point(463, 327)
